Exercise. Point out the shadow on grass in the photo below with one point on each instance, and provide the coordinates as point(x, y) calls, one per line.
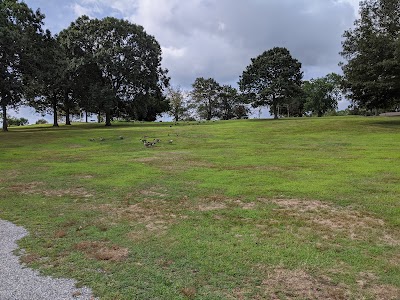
point(87, 126)
point(388, 122)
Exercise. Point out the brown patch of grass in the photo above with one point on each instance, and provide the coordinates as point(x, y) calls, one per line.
point(36, 187)
point(368, 283)
point(298, 284)
point(155, 214)
point(26, 188)
point(331, 220)
point(60, 234)
point(189, 292)
point(151, 193)
point(29, 258)
point(85, 176)
point(103, 251)
point(212, 206)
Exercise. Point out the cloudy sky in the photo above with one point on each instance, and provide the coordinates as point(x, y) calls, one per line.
point(217, 38)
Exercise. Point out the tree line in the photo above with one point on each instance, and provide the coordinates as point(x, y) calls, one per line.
point(112, 68)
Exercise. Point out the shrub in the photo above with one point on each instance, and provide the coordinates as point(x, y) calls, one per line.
point(41, 121)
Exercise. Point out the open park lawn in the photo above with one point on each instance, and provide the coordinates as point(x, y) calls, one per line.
point(304, 208)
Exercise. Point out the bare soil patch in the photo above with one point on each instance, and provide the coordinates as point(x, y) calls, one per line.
point(37, 188)
point(332, 220)
point(102, 251)
point(282, 283)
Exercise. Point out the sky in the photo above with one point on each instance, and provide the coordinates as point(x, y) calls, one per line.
point(218, 38)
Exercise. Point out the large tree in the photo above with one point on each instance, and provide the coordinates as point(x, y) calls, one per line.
point(20, 33)
point(371, 48)
point(322, 94)
point(272, 79)
point(206, 97)
point(125, 61)
point(49, 82)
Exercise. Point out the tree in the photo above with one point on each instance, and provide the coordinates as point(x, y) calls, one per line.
point(178, 104)
point(322, 94)
point(206, 96)
point(231, 104)
point(49, 82)
point(20, 31)
point(371, 48)
point(271, 79)
point(125, 62)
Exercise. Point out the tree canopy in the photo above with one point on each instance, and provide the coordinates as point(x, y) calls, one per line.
point(123, 63)
point(20, 34)
point(371, 48)
point(272, 79)
point(322, 94)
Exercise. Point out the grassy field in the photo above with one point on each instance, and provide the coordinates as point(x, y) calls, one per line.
point(255, 209)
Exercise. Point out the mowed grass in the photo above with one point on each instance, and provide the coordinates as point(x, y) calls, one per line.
point(255, 209)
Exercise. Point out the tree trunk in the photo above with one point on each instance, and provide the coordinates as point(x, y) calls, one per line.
point(320, 114)
point(275, 110)
point(67, 119)
point(55, 117)
point(108, 117)
point(5, 127)
point(98, 117)
point(86, 116)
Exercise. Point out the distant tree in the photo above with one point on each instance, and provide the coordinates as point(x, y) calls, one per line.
point(20, 31)
point(179, 107)
point(322, 94)
point(41, 121)
point(13, 121)
point(271, 79)
point(206, 97)
point(231, 104)
point(126, 62)
point(371, 48)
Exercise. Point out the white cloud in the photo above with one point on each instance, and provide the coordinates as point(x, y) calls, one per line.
point(90, 11)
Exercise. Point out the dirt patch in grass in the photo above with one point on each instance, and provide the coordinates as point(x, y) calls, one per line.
point(152, 193)
point(332, 220)
point(369, 285)
point(102, 251)
point(282, 283)
point(218, 202)
point(156, 215)
point(29, 258)
point(37, 188)
point(9, 175)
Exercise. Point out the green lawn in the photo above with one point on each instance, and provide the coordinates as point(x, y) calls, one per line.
point(256, 209)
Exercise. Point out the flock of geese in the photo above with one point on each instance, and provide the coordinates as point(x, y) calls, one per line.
point(144, 140)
